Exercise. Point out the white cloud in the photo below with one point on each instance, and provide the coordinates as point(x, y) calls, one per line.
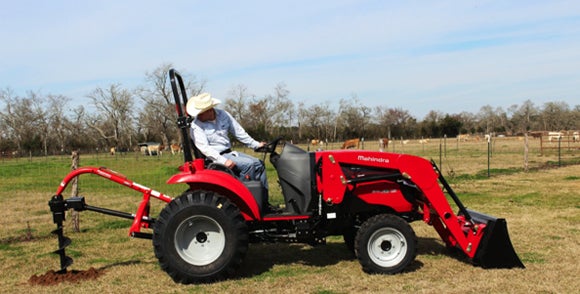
point(453, 55)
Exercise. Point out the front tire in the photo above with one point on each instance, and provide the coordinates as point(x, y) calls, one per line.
point(385, 244)
point(200, 237)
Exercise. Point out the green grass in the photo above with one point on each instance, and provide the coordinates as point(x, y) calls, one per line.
point(542, 208)
point(532, 257)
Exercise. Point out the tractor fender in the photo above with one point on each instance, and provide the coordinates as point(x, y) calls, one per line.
point(224, 184)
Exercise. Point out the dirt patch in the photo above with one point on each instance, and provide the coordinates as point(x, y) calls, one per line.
point(53, 278)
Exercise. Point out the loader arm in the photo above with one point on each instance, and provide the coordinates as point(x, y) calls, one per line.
point(454, 230)
point(484, 239)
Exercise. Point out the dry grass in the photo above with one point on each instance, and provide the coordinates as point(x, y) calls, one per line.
point(542, 209)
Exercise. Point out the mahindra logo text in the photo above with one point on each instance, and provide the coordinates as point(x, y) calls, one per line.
point(373, 159)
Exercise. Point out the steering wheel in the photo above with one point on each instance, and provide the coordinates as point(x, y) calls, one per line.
point(269, 147)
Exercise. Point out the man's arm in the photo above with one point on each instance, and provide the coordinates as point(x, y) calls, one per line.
point(201, 142)
point(238, 131)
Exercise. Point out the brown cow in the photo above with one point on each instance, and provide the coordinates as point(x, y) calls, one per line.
point(383, 144)
point(156, 149)
point(175, 148)
point(463, 137)
point(351, 144)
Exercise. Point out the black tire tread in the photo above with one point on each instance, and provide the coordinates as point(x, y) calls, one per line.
point(381, 221)
point(205, 200)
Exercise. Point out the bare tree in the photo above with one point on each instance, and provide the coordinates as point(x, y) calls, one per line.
point(157, 118)
point(77, 129)
point(399, 121)
point(301, 116)
point(23, 117)
point(57, 120)
point(431, 125)
point(488, 121)
point(319, 119)
point(575, 117)
point(262, 117)
point(522, 116)
point(236, 103)
point(468, 122)
point(353, 118)
point(503, 121)
point(521, 119)
point(257, 122)
point(113, 121)
point(554, 116)
point(281, 110)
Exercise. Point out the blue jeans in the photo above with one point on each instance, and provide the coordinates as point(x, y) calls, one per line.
point(250, 167)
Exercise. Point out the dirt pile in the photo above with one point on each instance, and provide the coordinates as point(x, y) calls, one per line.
point(53, 278)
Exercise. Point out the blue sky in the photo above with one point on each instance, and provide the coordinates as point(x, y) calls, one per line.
point(450, 56)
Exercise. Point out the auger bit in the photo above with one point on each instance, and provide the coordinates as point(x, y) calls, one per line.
point(58, 209)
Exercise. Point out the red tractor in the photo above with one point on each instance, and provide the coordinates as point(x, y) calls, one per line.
point(367, 197)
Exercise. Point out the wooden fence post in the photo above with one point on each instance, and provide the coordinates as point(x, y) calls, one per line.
point(526, 152)
point(75, 191)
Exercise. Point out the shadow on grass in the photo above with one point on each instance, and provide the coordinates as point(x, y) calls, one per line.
point(261, 258)
point(121, 263)
point(435, 248)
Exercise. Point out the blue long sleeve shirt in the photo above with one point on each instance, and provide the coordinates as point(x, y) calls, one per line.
point(211, 137)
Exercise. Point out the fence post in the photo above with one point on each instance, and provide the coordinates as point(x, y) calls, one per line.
point(488, 155)
point(559, 151)
point(75, 191)
point(440, 154)
point(526, 151)
point(445, 145)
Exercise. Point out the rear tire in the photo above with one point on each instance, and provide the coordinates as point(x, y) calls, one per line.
point(200, 237)
point(385, 244)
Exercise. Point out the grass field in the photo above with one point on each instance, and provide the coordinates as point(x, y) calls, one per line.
point(542, 208)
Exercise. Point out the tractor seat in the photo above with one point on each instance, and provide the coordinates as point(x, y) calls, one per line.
point(210, 164)
point(219, 167)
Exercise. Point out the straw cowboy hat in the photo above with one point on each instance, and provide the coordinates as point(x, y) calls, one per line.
point(200, 103)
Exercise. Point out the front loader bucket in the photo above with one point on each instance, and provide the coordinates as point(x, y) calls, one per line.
point(495, 249)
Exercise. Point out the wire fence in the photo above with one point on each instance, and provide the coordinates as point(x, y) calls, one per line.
point(465, 157)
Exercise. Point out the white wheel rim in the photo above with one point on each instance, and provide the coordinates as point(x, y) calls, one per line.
point(200, 240)
point(387, 247)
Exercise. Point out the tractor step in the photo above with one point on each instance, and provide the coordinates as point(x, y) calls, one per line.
point(142, 235)
point(285, 216)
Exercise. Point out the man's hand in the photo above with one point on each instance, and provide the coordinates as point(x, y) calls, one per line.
point(261, 147)
point(230, 164)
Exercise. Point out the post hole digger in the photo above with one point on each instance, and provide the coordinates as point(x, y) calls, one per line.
point(367, 197)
